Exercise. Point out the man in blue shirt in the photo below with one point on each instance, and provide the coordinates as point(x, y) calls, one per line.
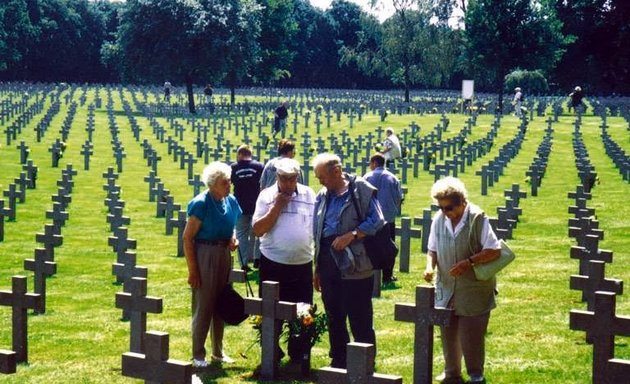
point(343, 271)
point(389, 195)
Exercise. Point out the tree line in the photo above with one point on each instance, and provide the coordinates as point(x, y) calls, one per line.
point(290, 43)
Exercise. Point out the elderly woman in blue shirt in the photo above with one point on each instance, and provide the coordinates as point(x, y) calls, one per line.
point(208, 240)
point(343, 272)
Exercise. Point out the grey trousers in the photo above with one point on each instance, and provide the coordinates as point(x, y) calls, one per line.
point(465, 335)
point(215, 263)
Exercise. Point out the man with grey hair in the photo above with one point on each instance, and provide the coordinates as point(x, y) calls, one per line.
point(283, 220)
point(346, 210)
point(517, 102)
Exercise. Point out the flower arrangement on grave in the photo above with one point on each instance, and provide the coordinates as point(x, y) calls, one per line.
point(310, 324)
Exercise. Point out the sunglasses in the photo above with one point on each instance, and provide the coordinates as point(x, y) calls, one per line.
point(448, 208)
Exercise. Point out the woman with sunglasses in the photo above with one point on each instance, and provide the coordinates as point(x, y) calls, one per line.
point(453, 249)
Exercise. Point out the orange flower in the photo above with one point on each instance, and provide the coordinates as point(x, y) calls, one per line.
point(307, 320)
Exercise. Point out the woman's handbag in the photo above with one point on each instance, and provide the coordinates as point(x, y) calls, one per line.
point(230, 304)
point(487, 271)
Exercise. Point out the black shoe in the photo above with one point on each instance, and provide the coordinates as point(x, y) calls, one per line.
point(257, 263)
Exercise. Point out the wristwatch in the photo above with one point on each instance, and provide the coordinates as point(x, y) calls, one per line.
point(355, 234)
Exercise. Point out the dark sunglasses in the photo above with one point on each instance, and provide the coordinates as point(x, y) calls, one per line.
point(448, 208)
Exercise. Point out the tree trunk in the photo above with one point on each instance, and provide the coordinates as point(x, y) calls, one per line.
point(191, 95)
point(232, 80)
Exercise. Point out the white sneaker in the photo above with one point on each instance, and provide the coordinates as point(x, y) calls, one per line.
point(225, 359)
point(199, 363)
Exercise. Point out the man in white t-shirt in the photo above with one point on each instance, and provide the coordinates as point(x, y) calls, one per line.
point(391, 147)
point(283, 220)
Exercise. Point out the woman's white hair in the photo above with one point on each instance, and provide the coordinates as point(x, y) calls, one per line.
point(450, 188)
point(214, 171)
point(329, 159)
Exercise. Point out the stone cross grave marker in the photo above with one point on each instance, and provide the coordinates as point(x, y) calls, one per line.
point(501, 228)
point(169, 207)
point(127, 269)
point(58, 217)
point(153, 180)
point(138, 304)
point(50, 239)
point(62, 198)
point(580, 209)
point(197, 184)
point(12, 194)
point(590, 251)
point(8, 364)
point(3, 212)
point(424, 315)
point(486, 174)
point(160, 198)
point(22, 184)
point(180, 223)
point(580, 193)
point(31, 173)
point(24, 152)
point(113, 201)
point(86, 151)
point(116, 219)
point(20, 301)
point(360, 363)
point(272, 311)
point(406, 233)
point(425, 222)
point(580, 228)
point(154, 366)
point(602, 324)
point(121, 243)
point(595, 280)
point(41, 270)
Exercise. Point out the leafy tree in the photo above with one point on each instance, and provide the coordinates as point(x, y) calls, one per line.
point(531, 82)
point(16, 31)
point(502, 35)
point(188, 40)
point(277, 30)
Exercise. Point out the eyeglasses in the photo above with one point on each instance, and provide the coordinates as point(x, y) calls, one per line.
point(447, 208)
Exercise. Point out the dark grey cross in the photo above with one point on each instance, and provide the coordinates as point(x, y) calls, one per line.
point(406, 233)
point(111, 187)
point(114, 201)
point(502, 229)
point(8, 364)
point(138, 304)
point(535, 174)
point(20, 301)
point(425, 222)
point(272, 311)
point(22, 183)
point(424, 315)
point(41, 270)
point(579, 193)
point(360, 363)
point(155, 366)
point(50, 239)
point(579, 228)
point(110, 174)
point(590, 251)
point(86, 151)
point(515, 194)
point(31, 173)
point(12, 194)
point(62, 198)
point(180, 224)
point(580, 209)
point(58, 217)
point(595, 280)
point(127, 269)
point(24, 151)
point(196, 183)
point(602, 325)
point(116, 219)
point(65, 184)
point(152, 179)
point(121, 243)
point(3, 212)
point(160, 194)
point(119, 155)
point(486, 174)
point(168, 206)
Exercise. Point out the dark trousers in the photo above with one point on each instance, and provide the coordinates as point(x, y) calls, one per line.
point(388, 272)
point(296, 286)
point(345, 299)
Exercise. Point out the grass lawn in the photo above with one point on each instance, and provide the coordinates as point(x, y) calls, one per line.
point(80, 339)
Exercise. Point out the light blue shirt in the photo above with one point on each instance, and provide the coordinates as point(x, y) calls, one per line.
point(217, 217)
point(389, 193)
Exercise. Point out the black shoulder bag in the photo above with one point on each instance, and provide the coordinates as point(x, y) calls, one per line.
point(380, 247)
point(230, 304)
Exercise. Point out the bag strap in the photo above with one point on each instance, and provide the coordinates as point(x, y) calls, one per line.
point(477, 231)
point(351, 189)
point(248, 287)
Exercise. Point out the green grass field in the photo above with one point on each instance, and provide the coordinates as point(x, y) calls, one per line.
point(80, 339)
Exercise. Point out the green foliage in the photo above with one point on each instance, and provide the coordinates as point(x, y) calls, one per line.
point(531, 82)
point(502, 35)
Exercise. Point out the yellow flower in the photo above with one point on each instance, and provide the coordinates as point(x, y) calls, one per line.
point(307, 320)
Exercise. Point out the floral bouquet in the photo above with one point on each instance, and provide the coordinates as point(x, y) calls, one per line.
point(309, 325)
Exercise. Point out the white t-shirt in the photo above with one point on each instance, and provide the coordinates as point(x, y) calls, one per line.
point(392, 142)
point(290, 241)
point(488, 238)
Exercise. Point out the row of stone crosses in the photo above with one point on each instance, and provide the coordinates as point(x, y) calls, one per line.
point(112, 196)
point(599, 320)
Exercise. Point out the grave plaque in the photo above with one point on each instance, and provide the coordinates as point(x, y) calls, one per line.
point(360, 363)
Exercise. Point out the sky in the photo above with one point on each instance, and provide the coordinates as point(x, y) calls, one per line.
point(382, 13)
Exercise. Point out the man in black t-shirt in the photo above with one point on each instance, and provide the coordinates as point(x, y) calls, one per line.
point(280, 117)
point(246, 178)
